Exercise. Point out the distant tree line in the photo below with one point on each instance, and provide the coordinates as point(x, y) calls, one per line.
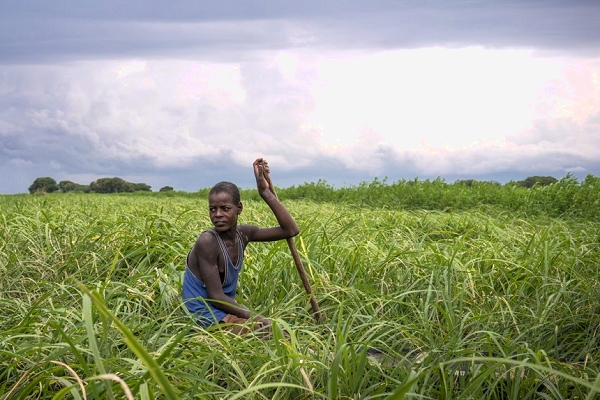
point(117, 185)
point(532, 181)
point(103, 185)
point(528, 182)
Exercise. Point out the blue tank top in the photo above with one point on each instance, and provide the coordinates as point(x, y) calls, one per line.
point(195, 295)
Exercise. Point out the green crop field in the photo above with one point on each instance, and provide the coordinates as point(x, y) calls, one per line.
point(429, 291)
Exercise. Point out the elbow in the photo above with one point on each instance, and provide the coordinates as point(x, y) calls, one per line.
point(294, 231)
point(289, 231)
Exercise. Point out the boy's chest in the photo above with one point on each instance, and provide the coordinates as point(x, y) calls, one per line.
point(232, 252)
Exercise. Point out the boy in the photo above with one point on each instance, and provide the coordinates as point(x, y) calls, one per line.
point(215, 261)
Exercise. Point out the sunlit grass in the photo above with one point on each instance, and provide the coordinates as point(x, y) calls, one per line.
point(419, 304)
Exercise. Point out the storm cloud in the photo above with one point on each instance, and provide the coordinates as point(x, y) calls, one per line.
point(187, 93)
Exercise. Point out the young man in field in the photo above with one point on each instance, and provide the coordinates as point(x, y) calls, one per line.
point(215, 261)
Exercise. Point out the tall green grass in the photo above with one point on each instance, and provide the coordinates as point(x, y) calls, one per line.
point(567, 197)
point(431, 302)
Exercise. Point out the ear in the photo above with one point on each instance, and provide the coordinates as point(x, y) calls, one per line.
point(240, 208)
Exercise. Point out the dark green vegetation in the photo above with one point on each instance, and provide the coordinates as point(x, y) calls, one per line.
point(103, 185)
point(430, 291)
point(44, 184)
point(117, 185)
point(531, 181)
point(565, 198)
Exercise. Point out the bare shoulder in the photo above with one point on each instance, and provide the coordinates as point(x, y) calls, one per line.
point(205, 238)
point(206, 243)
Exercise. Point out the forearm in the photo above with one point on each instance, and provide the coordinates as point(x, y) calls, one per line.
point(230, 306)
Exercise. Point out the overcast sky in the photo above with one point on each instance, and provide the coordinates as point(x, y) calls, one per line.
point(186, 93)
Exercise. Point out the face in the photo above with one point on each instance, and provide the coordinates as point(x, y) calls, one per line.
point(223, 211)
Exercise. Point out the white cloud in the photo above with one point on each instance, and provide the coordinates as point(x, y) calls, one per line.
point(431, 111)
point(439, 96)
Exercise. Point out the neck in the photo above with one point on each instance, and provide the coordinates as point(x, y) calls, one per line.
point(229, 234)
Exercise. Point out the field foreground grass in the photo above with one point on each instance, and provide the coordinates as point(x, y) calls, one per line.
point(480, 303)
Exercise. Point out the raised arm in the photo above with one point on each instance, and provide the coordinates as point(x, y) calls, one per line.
point(287, 226)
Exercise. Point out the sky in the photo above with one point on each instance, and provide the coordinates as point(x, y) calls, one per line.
point(187, 93)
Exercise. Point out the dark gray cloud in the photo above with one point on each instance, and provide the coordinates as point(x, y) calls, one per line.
point(67, 111)
point(39, 31)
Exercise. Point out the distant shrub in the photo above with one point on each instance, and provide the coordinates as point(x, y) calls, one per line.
point(532, 181)
point(117, 185)
point(68, 186)
point(43, 185)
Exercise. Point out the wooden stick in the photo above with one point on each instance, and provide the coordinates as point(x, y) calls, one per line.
point(298, 261)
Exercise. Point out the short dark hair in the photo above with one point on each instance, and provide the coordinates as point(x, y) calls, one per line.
point(226, 187)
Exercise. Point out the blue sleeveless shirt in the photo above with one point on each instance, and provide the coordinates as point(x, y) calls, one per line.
point(195, 295)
